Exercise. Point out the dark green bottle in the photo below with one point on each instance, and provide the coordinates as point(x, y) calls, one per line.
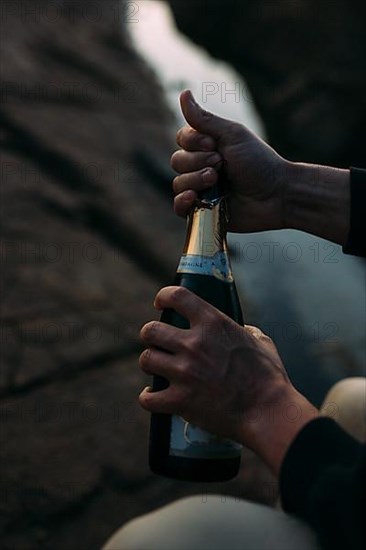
point(178, 449)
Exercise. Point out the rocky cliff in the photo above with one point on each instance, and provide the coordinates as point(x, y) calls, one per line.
point(304, 64)
point(88, 237)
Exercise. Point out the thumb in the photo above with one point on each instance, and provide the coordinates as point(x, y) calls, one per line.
point(201, 120)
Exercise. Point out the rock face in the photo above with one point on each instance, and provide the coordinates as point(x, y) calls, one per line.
point(304, 64)
point(88, 237)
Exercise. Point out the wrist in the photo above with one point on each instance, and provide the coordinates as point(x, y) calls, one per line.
point(270, 428)
point(317, 200)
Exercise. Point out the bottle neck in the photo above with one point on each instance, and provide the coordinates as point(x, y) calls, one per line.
point(205, 251)
point(206, 232)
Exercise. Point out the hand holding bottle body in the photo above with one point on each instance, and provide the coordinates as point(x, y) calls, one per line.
point(224, 378)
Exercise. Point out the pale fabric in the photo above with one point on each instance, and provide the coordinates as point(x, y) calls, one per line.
point(217, 522)
point(214, 523)
point(346, 403)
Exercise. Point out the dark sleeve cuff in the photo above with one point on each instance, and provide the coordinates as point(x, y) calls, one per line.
point(319, 446)
point(356, 243)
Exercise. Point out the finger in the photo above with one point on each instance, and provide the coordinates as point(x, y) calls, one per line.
point(158, 362)
point(191, 140)
point(184, 202)
point(184, 302)
point(254, 331)
point(163, 336)
point(201, 120)
point(164, 402)
point(184, 161)
point(197, 181)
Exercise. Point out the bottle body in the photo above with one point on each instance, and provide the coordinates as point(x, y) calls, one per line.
point(177, 448)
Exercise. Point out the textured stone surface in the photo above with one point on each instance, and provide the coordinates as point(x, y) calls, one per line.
point(88, 237)
point(303, 62)
point(74, 461)
point(80, 246)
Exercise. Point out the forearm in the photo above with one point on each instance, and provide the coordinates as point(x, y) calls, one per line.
point(317, 201)
point(275, 426)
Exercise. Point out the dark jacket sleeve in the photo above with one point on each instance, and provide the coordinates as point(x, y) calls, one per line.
point(323, 481)
point(356, 243)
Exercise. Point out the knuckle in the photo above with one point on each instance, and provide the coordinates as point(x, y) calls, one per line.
point(188, 137)
point(266, 338)
point(182, 370)
point(145, 358)
point(211, 330)
point(186, 346)
point(145, 400)
point(192, 372)
point(260, 335)
point(148, 330)
point(176, 184)
point(184, 135)
point(175, 160)
point(192, 344)
point(213, 319)
point(191, 137)
point(179, 136)
point(256, 333)
point(178, 207)
point(179, 294)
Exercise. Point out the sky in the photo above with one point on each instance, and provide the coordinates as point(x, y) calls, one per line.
point(180, 65)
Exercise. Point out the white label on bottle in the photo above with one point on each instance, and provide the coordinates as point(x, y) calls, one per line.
point(217, 266)
point(189, 441)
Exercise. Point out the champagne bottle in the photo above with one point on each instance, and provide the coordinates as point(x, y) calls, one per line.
point(179, 449)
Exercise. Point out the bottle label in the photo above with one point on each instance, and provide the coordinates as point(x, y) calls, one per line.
point(215, 266)
point(189, 441)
